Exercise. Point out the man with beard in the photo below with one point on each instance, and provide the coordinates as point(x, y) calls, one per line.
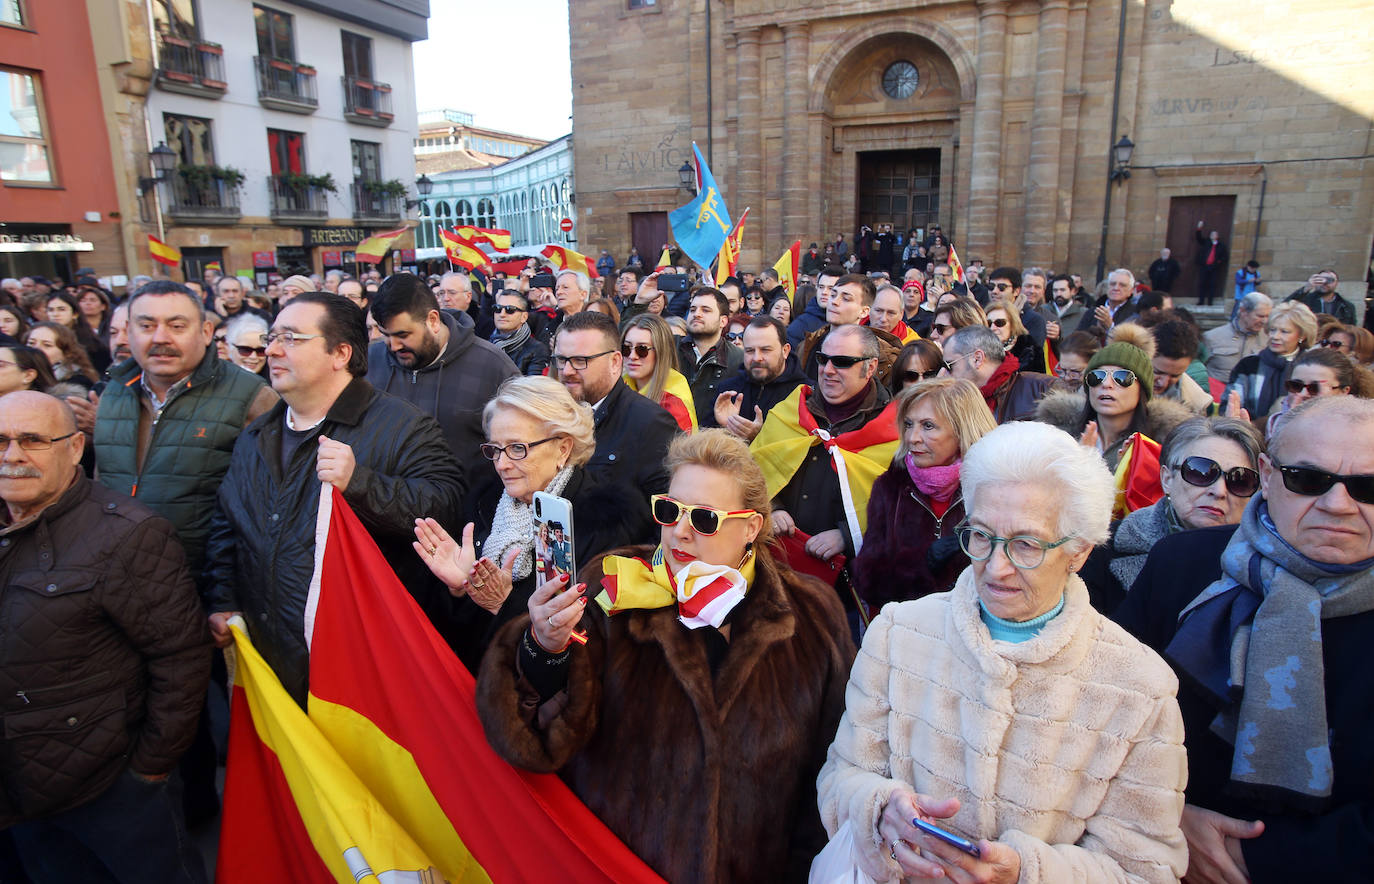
point(704, 355)
point(428, 359)
point(513, 333)
point(1063, 312)
point(769, 376)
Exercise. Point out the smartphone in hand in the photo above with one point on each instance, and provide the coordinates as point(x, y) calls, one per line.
point(553, 538)
point(949, 838)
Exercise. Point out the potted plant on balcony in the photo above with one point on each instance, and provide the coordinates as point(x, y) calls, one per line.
point(393, 188)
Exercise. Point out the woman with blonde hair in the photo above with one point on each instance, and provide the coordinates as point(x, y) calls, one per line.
point(910, 548)
point(708, 686)
point(953, 315)
point(1005, 321)
point(539, 439)
point(1259, 378)
point(650, 354)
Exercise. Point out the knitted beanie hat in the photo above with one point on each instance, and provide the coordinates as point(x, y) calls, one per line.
point(1127, 356)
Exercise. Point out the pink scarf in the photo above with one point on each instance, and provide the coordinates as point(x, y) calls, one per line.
point(937, 483)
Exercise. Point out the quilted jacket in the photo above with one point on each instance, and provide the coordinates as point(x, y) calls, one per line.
point(104, 651)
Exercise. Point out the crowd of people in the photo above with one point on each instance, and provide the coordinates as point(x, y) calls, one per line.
point(855, 574)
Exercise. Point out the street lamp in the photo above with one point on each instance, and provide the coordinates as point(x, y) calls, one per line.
point(163, 160)
point(1118, 170)
point(687, 177)
point(424, 187)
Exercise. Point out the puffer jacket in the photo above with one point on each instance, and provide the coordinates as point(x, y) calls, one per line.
point(261, 551)
point(104, 651)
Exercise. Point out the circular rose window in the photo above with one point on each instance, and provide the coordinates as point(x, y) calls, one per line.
point(900, 79)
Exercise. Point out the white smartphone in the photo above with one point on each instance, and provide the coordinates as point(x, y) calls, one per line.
point(553, 538)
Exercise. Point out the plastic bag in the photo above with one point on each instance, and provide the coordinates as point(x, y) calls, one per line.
point(835, 864)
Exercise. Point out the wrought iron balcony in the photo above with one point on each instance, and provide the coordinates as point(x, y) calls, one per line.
point(367, 102)
point(286, 85)
point(212, 201)
point(370, 203)
point(294, 201)
point(191, 67)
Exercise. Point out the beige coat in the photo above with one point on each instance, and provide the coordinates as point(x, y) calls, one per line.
point(1067, 747)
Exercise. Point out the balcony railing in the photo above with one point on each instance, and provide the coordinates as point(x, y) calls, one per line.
point(372, 205)
point(191, 67)
point(203, 202)
point(367, 102)
point(286, 85)
point(292, 202)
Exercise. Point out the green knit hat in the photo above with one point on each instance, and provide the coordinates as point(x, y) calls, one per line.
point(1127, 356)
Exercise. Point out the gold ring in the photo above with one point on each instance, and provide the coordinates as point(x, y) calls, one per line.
point(434, 550)
point(478, 583)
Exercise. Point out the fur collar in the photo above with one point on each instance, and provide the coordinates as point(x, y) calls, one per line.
point(1062, 409)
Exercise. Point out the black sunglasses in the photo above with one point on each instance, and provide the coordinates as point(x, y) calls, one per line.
point(508, 309)
point(1312, 482)
point(998, 323)
point(1122, 377)
point(912, 376)
point(840, 361)
point(245, 352)
point(640, 350)
point(1313, 389)
point(940, 328)
point(1332, 343)
point(1203, 472)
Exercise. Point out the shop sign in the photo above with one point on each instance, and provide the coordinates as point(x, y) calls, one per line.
point(332, 236)
point(44, 242)
point(264, 259)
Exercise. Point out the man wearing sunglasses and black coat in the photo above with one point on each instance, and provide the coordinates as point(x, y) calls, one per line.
point(1282, 607)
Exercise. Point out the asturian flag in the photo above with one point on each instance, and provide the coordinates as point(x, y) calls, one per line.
point(701, 226)
point(388, 777)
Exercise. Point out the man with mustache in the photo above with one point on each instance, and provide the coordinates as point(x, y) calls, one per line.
point(106, 661)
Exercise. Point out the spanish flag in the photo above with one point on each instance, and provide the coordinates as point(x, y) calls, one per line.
point(496, 238)
point(676, 400)
point(163, 253)
point(373, 249)
point(955, 264)
point(728, 259)
point(860, 456)
point(787, 268)
point(1051, 360)
point(567, 259)
point(388, 776)
point(665, 260)
point(1137, 476)
point(462, 252)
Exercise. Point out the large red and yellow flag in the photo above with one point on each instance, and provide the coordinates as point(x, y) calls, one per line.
point(495, 237)
point(1137, 476)
point(567, 259)
point(860, 456)
point(389, 776)
point(163, 253)
point(462, 252)
point(373, 249)
point(787, 268)
point(728, 259)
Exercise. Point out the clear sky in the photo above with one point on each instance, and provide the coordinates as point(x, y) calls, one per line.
point(468, 39)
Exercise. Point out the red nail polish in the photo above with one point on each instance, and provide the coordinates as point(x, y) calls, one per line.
point(583, 600)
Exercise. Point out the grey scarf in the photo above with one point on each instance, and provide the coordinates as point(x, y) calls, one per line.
point(514, 341)
point(1272, 593)
point(513, 526)
point(1136, 536)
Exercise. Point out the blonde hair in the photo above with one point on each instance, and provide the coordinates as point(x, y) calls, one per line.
point(1300, 316)
point(549, 402)
point(957, 402)
point(665, 351)
point(1018, 328)
point(963, 312)
point(726, 453)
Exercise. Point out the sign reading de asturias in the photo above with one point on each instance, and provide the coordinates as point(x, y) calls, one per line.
point(43, 242)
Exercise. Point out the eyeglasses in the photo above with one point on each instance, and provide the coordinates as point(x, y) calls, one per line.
point(508, 309)
point(1333, 344)
point(245, 352)
point(1313, 389)
point(640, 350)
point(288, 339)
point(1203, 472)
point(911, 376)
point(734, 336)
point(1069, 374)
point(999, 323)
point(1023, 551)
point(220, 339)
point(705, 520)
point(823, 359)
point(514, 451)
point(948, 364)
point(940, 329)
point(579, 363)
point(1122, 377)
point(1312, 482)
point(31, 441)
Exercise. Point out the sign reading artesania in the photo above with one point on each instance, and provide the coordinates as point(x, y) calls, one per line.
point(333, 236)
point(43, 242)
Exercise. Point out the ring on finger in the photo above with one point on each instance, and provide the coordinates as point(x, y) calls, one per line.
point(550, 621)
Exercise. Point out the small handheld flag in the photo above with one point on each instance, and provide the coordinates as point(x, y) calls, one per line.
point(567, 259)
point(955, 264)
point(787, 268)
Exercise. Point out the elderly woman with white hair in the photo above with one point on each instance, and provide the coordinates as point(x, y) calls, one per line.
point(538, 439)
point(1008, 712)
point(243, 335)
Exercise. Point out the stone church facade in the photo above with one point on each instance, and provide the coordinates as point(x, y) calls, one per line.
point(992, 118)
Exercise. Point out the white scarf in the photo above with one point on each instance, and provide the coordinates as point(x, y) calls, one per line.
point(513, 526)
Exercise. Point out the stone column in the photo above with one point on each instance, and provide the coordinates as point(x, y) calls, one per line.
point(795, 156)
point(1047, 118)
point(748, 147)
point(986, 161)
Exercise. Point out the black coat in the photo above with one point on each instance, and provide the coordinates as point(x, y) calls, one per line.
point(632, 438)
point(1123, 313)
point(532, 358)
point(765, 395)
point(704, 376)
point(605, 517)
point(1162, 274)
point(261, 550)
point(1337, 845)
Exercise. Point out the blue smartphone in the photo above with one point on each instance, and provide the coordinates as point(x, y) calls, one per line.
point(949, 838)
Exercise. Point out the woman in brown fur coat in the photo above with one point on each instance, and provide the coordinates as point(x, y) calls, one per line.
point(695, 718)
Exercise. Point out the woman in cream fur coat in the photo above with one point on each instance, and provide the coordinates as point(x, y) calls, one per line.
point(1008, 711)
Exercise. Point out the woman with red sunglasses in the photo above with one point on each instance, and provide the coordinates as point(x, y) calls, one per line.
point(696, 716)
point(1209, 470)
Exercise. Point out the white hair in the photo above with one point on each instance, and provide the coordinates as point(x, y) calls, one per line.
point(1122, 271)
point(1030, 453)
point(453, 274)
point(1255, 300)
point(250, 323)
point(584, 283)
